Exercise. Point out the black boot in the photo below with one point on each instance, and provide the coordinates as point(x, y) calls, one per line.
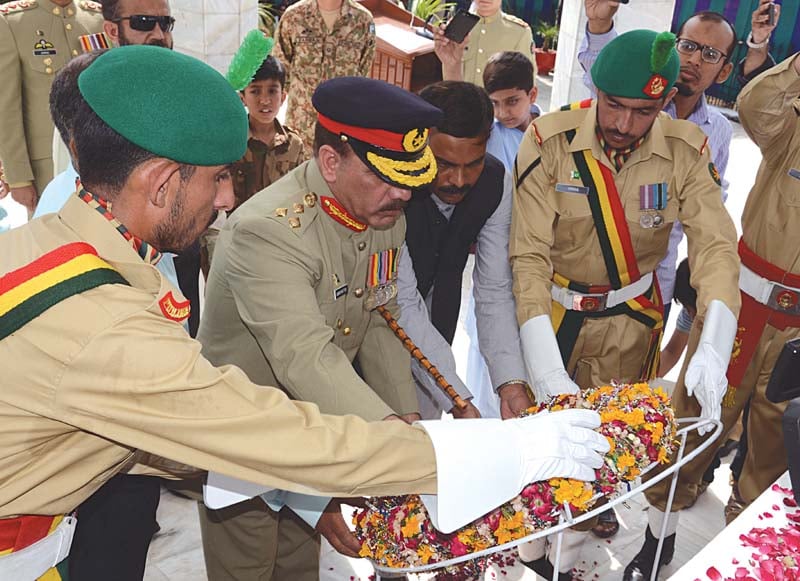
point(544, 568)
point(641, 568)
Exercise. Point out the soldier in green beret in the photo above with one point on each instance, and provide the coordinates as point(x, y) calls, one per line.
point(598, 186)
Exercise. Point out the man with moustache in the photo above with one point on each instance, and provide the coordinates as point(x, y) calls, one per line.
point(138, 22)
point(598, 186)
point(468, 203)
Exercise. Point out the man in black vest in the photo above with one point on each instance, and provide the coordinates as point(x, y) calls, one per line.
point(468, 204)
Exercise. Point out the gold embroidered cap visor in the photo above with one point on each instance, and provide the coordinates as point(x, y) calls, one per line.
point(409, 170)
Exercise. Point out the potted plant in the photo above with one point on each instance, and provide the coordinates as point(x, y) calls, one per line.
point(433, 9)
point(546, 55)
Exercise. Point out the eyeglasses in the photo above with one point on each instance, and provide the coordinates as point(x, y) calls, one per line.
point(146, 23)
point(709, 54)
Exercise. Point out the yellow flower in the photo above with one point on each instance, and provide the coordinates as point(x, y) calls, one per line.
point(411, 527)
point(364, 551)
point(425, 553)
point(575, 492)
point(625, 461)
point(662, 456)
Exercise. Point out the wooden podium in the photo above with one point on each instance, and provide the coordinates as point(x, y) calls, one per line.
point(402, 57)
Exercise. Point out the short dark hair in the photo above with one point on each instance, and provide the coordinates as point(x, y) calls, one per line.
point(64, 92)
point(684, 292)
point(711, 16)
point(323, 136)
point(271, 69)
point(111, 9)
point(468, 112)
point(508, 70)
point(105, 158)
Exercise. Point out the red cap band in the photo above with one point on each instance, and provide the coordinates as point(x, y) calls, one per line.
point(376, 137)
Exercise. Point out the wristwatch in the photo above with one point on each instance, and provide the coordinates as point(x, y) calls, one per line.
point(753, 44)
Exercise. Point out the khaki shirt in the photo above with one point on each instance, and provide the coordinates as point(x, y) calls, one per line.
point(103, 374)
point(312, 54)
point(37, 38)
point(285, 302)
point(555, 231)
point(492, 35)
point(264, 164)
point(769, 108)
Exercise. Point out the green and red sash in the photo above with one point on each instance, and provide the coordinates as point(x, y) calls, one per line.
point(29, 291)
point(20, 532)
point(620, 260)
point(753, 317)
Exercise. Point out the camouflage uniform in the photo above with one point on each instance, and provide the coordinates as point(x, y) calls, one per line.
point(312, 54)
point(37, 38)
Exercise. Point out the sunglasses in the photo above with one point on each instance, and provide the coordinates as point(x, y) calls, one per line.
point(146, 23)
point(709, 54)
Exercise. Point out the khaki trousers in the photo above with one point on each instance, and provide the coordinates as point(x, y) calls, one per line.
point(42, 173)
point(250, 542)
point(766, 455)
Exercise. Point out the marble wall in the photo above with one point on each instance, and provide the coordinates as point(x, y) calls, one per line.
point(568, 75)
point(211, 30)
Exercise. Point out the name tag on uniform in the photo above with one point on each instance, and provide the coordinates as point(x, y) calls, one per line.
point(572, 189)
point(653, 196)
point(339, 292)
point(795, 173)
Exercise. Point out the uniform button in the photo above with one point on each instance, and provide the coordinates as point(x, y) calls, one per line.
point(48, 61)
point(362, 245)
point(338, 323)
point(483, 31)
point(56, 10)
point(477, 71)
point(346, 331)
point(70, 12)
point(359, 292)
point(480, 51)
point(68, 26)
point(74, 52)
point(48, 70)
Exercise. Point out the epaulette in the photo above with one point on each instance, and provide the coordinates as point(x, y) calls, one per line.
point(91, 6)
point(551, 124)
point(515, 20)
point(685, 131)
point(298, 212)
point(18, 6)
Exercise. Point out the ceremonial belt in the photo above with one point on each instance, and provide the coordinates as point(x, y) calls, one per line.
point(35, 547)
point(68, 270)
point(620, 260)
point(599, 301)
point(765, 301)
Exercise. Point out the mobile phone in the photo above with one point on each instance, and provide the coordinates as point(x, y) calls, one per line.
point(771, 14)
point(460, 25)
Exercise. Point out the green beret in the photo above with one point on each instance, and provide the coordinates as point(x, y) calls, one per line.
point(640, 64)
point(168, 103)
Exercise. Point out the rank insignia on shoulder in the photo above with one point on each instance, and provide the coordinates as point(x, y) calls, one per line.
point(310, 200)
point(712, 169)
point(795, 173)
point(294, 222)
point(298, 208)
point(172, 309)
point(281, 212)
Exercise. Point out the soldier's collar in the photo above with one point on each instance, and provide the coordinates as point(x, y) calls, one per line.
point(492, 18)
point(338, 213)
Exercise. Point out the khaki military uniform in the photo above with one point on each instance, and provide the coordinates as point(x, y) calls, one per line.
point(286, 302)
point(78, 406)
point(492, 35)
point(553, 230)
point(312, 54)
point(768, 108)
point(37, 38)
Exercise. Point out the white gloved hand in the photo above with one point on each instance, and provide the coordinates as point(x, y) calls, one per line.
point(543, 359)
point(561, 444)
point(705, 376)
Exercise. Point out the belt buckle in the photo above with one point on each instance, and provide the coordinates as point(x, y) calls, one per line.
point(784, 299)
point(589, 303)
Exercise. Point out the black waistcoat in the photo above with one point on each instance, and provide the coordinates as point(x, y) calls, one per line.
point(440, 248)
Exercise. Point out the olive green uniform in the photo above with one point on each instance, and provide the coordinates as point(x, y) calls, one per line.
point(37, 38)
point(492, 35)
point(286, 302)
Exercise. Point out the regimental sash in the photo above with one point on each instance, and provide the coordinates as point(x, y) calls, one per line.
point(753, 317)
point(620, 260)
point(20, 532)
point(68, 270)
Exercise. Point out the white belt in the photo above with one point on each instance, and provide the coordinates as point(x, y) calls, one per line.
point(595, 302)
point(779, 297)
point(33, 561)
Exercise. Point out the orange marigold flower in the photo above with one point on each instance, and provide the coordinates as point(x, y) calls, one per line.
point(425, 553)
point(411, 527)
point(625, 461)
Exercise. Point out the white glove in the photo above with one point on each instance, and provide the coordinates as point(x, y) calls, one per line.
point(705, 376)
point(543, 359)
point(480, 464)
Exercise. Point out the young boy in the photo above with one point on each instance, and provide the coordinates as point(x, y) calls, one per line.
point(509, 80)
point(272, 149)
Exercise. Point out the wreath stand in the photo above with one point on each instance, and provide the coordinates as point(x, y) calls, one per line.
point(566, 519)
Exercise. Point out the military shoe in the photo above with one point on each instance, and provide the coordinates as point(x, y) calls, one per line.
point(641, 568)
point(544, 568)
